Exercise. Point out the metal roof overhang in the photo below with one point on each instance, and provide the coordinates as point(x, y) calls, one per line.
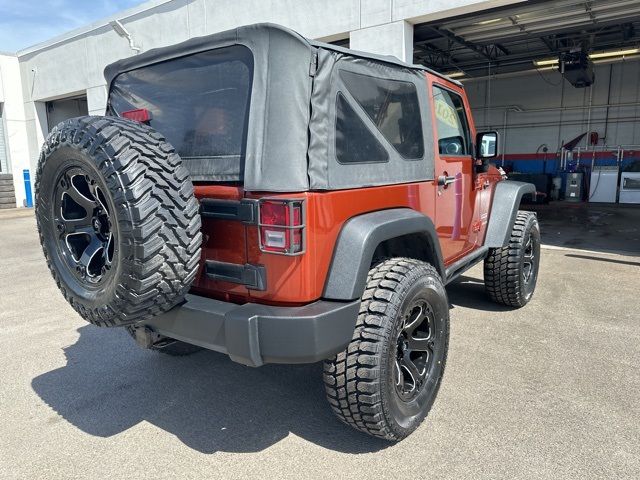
point(505, 40)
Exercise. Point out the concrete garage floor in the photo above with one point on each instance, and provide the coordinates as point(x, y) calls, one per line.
point(592, 226)
point(549, 391)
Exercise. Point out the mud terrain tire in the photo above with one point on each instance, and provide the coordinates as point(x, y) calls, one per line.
point(117, 218)
point(369, 384)
point(511, 272)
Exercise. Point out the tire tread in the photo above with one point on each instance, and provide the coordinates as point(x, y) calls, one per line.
point(352, 378)
point(159, 215)
point(502, 265)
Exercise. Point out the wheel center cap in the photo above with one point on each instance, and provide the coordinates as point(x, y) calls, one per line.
point(97, 224)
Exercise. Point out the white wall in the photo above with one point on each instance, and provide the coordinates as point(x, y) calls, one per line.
point(529, 129)
point(14, 118)
point(72, 65)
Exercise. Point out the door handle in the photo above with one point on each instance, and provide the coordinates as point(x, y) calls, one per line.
point(444, 180)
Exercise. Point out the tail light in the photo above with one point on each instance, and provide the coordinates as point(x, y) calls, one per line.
point(281, 224)
point(141, 115)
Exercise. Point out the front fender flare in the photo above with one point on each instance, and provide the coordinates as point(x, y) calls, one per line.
point(504, 208)
point(358, 240)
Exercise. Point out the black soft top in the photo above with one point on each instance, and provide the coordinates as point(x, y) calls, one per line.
point(291, 142)
point(260, 31)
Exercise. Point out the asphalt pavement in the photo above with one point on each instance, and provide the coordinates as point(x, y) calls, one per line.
point(548, 391)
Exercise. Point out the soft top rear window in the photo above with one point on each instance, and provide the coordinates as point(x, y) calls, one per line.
point(200, 103)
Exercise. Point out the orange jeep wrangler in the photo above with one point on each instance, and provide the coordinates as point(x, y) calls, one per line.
point(283, 200)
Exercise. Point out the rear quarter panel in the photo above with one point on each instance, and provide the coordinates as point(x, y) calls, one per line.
point(301, 279)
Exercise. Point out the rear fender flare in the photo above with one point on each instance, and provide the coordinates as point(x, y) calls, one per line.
point(358, 240)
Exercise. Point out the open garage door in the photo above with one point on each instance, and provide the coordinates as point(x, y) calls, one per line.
point(510, 39)
point(63, 109)
point(559, 81)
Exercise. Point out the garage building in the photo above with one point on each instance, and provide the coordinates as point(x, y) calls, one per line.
point(557, 79)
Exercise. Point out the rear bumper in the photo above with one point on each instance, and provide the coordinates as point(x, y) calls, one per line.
point(254, 334)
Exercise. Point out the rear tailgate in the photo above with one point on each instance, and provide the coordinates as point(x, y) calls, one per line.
point(224, 246)
point(200, 102)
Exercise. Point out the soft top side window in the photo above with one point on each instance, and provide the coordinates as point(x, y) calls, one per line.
point(392, 105)
point(355, 143)
point(451, 122)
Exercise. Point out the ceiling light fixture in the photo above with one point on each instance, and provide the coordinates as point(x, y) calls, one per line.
point(488, 22)
point(455, 74)
point(546, 62)
point(593, 56)
point(614, 53)
point(612, 60)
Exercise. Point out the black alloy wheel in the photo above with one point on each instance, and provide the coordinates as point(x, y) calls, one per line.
point(414, 352)
point(529, 263)
point(82, 217)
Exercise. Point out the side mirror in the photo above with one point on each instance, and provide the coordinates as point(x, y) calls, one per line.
point(487, 145)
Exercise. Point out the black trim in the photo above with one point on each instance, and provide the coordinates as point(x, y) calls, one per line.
point(245, 210)
point(254, 277)
point(504, 208)
point(458, 268)
point(358, 240)
point(254, 334)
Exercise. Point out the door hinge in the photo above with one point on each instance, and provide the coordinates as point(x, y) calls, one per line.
point(245, 210)
point(254, 277)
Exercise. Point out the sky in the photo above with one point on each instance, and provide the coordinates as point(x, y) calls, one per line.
point(24, 23)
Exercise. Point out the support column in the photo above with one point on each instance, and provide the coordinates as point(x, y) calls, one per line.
point(97, 100)
point(394, 38)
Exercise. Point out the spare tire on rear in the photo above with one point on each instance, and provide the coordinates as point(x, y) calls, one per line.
point(118, 220)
